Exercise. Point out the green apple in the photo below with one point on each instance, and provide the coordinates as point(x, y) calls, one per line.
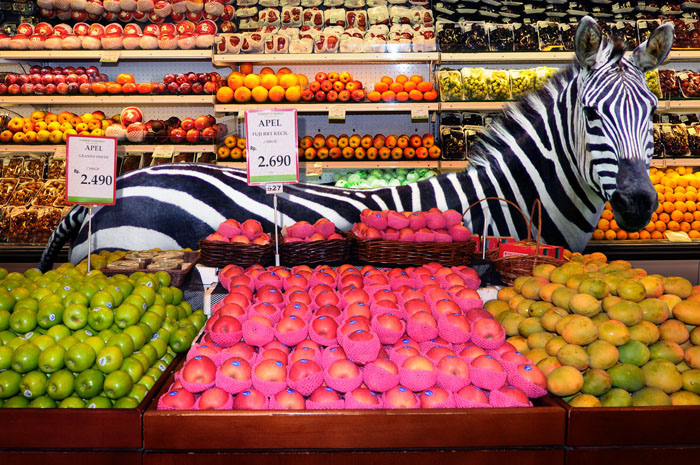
point(75, 298)
point(58, 332)
point(3, 273)
point(110, 359)
point(152, 319)
point(100, 282)
point(133, 367)
point(61, 384)
point(83, 334)
point(51, 299)
point(89, 383)
point(65, 290)
point(7, 301)
point(33, 384)
point(147, 331)
point(124, 342)
point(43, 341)
point(9, 383)
point(99, 402)
point(6, 336)
point(116, 294)
point(96, 343)
point(100, 318)
point(159, 300)
point(15, 342)
point(102, 299)
point(16, 402)
point(43, 402)
point(163, 335)
point(52, 358)
point(177, 295)
point(137, 335)
point(49, 314)
point(186, 324)
point(141, 357)
point(5, 357)
point(32, 273)
point(181, 340)
point(126, 402)
point(72, 402)
point(28, 303)
point(75, 316)
point(88, 290)
point(4, 319)
point(154, 373)
point(138, 392)
point(151, 354)
point(168, 357)
point(186, 306)
point(23, 292)
point(68, 341)
point(170, 324)
point(162, 310)
point(124, 286)
point(105, 334)
point(166, 294)
point(26, 358)
point(172, 311)
point(80, 357)
point(137, 301)
point(118, 384)
point(23, 320)
point(163, 277)
point(147, 280)
point(198, 318)
point(148, 381)
point(126, 315)
point(147, 292)
point(40, 293)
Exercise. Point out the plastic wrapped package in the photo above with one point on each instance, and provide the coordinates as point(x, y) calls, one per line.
point(567, 33)
point(685, 33)
point(21, 224)
point(422, 16)
point(668, 83)
point(501, 37)
point(625, 31)
point(303, 45)
point(247, 12)
point(269, 17)
point(399, 15)
point(334, 17)
point(25, 193)
point(652, 78)
point(378, 15)
point(454, 144)
point(269, 3)
point(472, 136)
point(397, 2)
point(525, 37)
point(246, 3)
point(356, 19)
point(291, 16)
point(498, 84)
point(276, 43)
point(548, 32)
point(246, 24)
point(233, 42)
point(354, 4)
point(253, 42)
point(12, 167)
point(33, 167)
point(424, 40)
point(310, 32)
point(352, 41)
point(675, 140)
point(130, 163)
point(290, 32)
point(333, 30)
point(689, 83)
point(183, 157)
point(50, 192)
point(311, 3)
point(542, 76)
point(450, 85)
point(326, 43)
point(450, 36)
point(522, 81)
point(474, 82)
point(373, 3)
point(658, 142)
point(400, 39)
point(47, 221)
point(476, 39)
point(313, 17)
point(5, 222)
point(645, 27)
point(693, 140)
point(284, 3)
point(7, 188)
point(375, 42)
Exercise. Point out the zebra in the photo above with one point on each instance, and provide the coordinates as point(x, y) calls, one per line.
point(585, 139)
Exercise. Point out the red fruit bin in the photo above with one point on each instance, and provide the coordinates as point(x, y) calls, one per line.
point(316, 252)
point(649, 434)
point(62, 435)
point(497, 433)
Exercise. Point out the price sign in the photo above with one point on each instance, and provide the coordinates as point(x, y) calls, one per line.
point(91, 169)
point(336, 113)
point(271, 145)
point(273, 188)
point(419, 112)
point(110, 56)
point(60, 152)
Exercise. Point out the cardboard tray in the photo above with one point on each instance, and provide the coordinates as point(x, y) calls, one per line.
point(65, 429)
point(631, 426)
point(177, 276)
point(542, 425)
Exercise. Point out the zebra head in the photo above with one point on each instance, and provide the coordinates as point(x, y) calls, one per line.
point(613, 116)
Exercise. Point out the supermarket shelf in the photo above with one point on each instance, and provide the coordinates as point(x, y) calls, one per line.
point(226, 59)
point(662, 162)
point(506, 57)
point(120, 148)
point(453, 164)
point(129, 99)
point(28, 253)
point(665, 105)
point(355, 164)
point(202, 54)
point(326, 107)
point(660, 249)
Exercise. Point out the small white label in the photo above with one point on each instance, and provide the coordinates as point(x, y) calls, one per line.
point(52, 317)
point(273, 188)
point(163, 151)
point(110, 56)
point(60, 152)
point(336, 112)
point(419, 112)
point(314, 169)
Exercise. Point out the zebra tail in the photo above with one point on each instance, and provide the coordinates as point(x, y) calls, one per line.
point(67, 229)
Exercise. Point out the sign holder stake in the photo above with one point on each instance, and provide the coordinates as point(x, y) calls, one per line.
point(89, 236)
point(277, 241)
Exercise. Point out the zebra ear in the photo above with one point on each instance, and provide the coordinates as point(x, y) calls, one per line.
point(654, 51)
point(587, 42)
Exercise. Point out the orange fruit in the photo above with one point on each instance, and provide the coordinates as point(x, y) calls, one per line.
point(242, 94)
point(402, 96)
point(644, 235)
point(610, 235)
point(266, 70)
point(246, 68)
point(668, 207)
point(695, 225)
point(374, 96)
point(657, 235)
point(224, 94)
point(251, 81)
point(430, 95)
point(613, 225)
point(598, 235)
point(633, 235)
point(268, 81)
point(388, 96)
point(665, 217)
point(693, 234)
point(696, 215)
point(396, 87)
point(289, 80)
point(690, 206)
point(688, 217)
point(381, 87)
point(387, 80)
point(409, 86)
point(607, 214)
point(425, 86)
point(680, 196)
point(680, 206)
point(235, 80)
point(303, 81)
point(676, 215)
point(416, 78)
point(660, 226)
point(401, 78)
point(293, 94)
point(275, 94)
point(685, 226)
point(673, 226)
point(651, 226)
point(124, 78)
point(259, 94)
point(415, 95)
point(603, 224)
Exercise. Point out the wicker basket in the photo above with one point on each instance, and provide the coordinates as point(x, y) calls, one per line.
point(220, 254)
point(402, 253)
point(316, 252)
point(177, 276)
point(511, 268)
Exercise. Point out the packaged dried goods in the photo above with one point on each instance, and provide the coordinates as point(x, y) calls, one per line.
point(454, 144)
point(542, 76)
point(50, 192)
point(12, 167)
point(7, 188)
point(675, 140)
point(33, 167)
point(291, 16)
point(525, 37)
point(658, 142)
point(47, 221)
point(501, 38)
point(693, 140)
point(25, 192)
point(669, 83)
point(549, 35)
point(22, 222)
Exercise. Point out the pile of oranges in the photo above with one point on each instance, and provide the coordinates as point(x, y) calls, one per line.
point(244, 85)
point(678, 210)
point(402, 89)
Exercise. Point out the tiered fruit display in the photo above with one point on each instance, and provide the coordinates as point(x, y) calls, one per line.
point(233, 148)
point(433, 225)
point(46, 127)
point(377, 147)
point(89, 81)
point(352, 338)
point(303, 231)
point(372, 179)
point(606, 334)
point(248, 232)
point(678, 210)
point(74, 340)
point(402, 89)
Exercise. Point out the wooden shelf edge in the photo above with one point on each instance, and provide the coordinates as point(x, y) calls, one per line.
point(204, 99)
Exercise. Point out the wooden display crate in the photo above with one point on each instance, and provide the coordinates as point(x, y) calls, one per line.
point(543, 425)
point(72, 429)
point(631, 426)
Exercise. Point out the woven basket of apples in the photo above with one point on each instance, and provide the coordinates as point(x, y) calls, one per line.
point(312, 244)
point(243, 244)
point(412, 238)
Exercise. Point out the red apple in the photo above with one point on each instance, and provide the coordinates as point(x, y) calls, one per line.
point(271, 370)
point(486, 362)
point(290, 323)
point(433, 397)
point(213, 398)
point(533, 374)
point(179, 399)
point(325, 326)
point(389, 322)
point(302, 369)
point(386, 364)
point(324, 395)
point(455, 366)
point(400, 397)
point(290, 399)
point(364, 396)
point(473, 394)
point(236, 368)
point(488, 329)
point(471, 351)
point(199, 369)
point(250, 399)
point(343, 369)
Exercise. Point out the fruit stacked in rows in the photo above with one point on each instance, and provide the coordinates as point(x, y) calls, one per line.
point(244, 85)
point(352, 338)
point(303, 231)
point(371, 179)
point(606, 333)
point(333, 87)
point(132, 127)
point(433, 225)
point(248, 232)
point(378, 147)
point(46, 127)
point(184, 35)
point(402, 89)
point(70, 339)
point(233, 148)
point(678, 210)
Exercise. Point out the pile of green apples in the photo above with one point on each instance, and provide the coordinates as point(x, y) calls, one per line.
point(376, 178)
point(72, 339)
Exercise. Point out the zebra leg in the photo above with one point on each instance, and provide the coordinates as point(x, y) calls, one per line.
point(67, 230)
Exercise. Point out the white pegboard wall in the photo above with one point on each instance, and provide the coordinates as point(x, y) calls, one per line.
point(355, 123)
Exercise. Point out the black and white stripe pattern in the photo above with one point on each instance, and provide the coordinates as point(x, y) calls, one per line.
point(561, 146)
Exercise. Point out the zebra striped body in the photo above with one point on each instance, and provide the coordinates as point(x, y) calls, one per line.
point(583, 140)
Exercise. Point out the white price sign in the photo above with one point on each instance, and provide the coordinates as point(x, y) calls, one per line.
point(271, 145)
point(91, 169)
